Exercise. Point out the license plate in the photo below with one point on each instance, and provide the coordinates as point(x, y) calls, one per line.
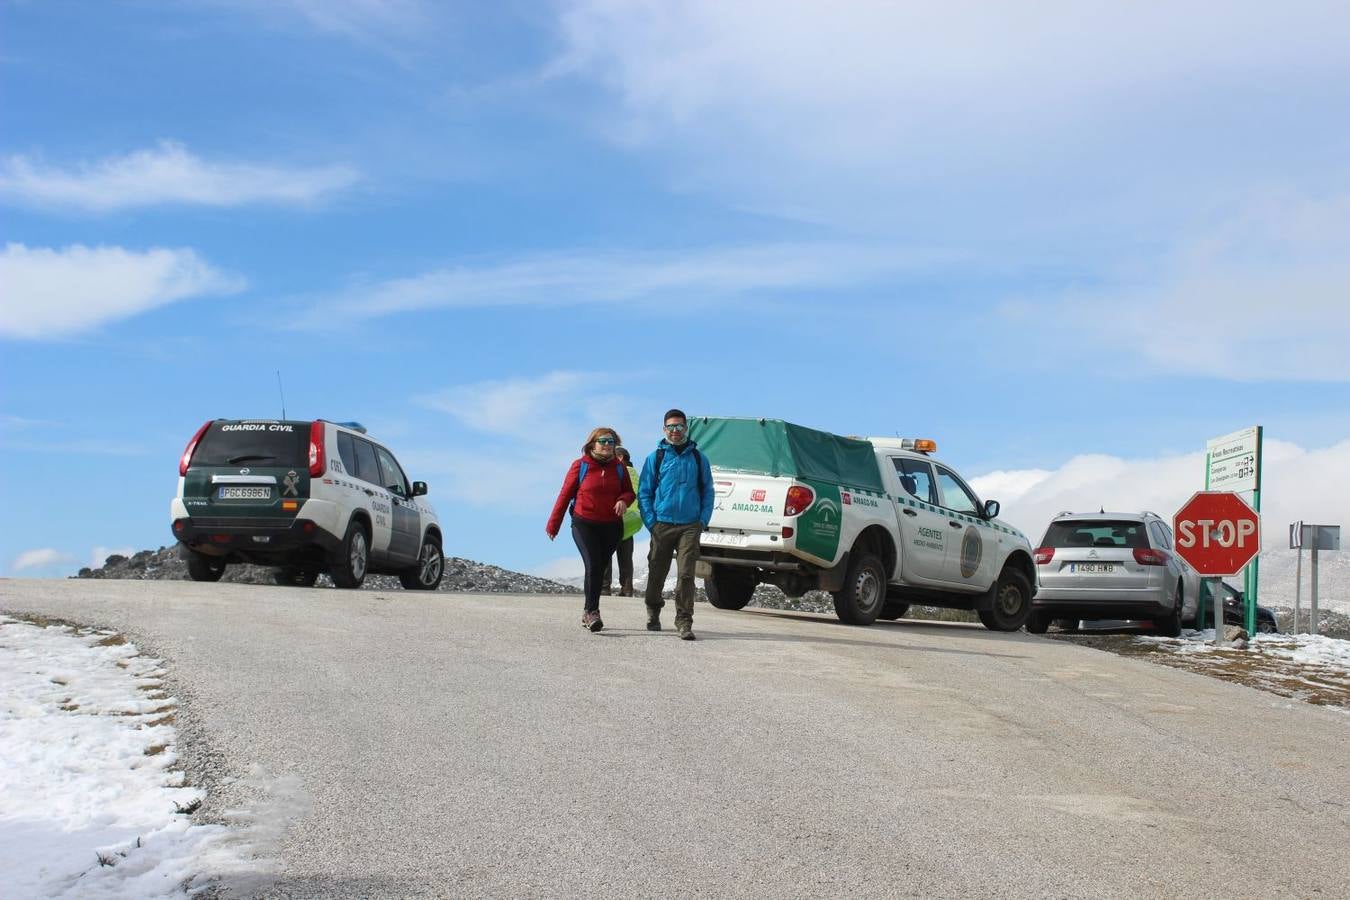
point(1092, 568)
point(246, 493)
point(725, 540)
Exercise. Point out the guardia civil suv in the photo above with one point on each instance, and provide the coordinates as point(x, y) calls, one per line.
point(305, 498)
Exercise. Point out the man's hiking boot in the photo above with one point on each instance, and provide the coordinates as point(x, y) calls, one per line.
point(686, 632)
point(653, 621)
point(591, 621)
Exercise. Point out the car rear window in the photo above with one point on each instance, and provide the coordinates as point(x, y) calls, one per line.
point(254, 443)
point(1095, 533)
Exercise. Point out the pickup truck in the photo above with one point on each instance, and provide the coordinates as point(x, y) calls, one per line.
point(879, 523)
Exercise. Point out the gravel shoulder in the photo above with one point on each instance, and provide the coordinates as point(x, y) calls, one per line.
point(397, 744)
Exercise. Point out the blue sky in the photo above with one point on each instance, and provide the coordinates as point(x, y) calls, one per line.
point(1069, 241)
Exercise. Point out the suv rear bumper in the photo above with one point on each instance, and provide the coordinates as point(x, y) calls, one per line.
point(255, 540)
point(1085, 604)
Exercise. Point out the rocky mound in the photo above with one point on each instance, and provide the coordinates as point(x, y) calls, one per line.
point(164, 564)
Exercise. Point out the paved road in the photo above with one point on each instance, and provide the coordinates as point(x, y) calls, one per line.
point(479, 745)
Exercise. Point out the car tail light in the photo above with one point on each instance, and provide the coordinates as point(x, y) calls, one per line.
point(799, 497)
point(1147, 556)
point(221, 538)
point(317, 463)
point(787, 531)
point(1043, 555)
point(179, 525)
point(307, 527)
point(190, 449)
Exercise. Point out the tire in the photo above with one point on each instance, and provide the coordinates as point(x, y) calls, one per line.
point(426, 575)
point(294, 576)
point(205, 568)
point(1038, 622)
point(1170, 625)
point(727, 589)
point(892, 610)
point(864, 593)
point(1012, 602)
point(353, 559)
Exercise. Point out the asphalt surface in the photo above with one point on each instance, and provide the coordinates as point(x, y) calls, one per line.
point(405, 744)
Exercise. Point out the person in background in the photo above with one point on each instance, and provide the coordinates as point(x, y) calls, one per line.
point(596, 491)
point(675, 495)
point(632, 524)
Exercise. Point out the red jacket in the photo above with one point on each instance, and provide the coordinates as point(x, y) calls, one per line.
point(605, 484)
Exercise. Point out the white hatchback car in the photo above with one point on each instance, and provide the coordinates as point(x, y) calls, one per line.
point(305, 497)
point(1112, 566)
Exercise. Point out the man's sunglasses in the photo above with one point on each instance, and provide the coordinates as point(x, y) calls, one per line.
point(676, 428)
point(604, 440)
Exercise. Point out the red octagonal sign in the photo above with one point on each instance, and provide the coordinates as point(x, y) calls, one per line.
point(1217, 532)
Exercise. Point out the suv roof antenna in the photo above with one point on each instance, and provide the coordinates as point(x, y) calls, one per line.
point(283, 396)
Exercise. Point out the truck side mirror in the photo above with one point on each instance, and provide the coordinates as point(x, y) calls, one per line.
point(991, 509)
point(419, 488)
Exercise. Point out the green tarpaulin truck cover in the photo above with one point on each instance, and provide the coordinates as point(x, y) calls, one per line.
point(775, 447)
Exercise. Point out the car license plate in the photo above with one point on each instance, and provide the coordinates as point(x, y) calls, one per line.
point(1092, 568)
point(245, 493)
point(725, 540)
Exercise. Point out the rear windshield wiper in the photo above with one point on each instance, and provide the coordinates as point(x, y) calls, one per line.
point(238, 459)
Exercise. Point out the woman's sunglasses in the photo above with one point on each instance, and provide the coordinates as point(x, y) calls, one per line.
point(604, 440)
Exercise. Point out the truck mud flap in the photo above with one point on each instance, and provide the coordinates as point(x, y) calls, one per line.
point(832, 579)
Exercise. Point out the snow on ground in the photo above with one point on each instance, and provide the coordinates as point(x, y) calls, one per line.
point(1309, 667)
point(90, 804)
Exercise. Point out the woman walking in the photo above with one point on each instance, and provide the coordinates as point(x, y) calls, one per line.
point(597, 490)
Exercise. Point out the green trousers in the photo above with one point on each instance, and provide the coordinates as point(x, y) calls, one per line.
point(680, 542)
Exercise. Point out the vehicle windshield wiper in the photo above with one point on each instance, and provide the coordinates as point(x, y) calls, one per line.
point(238, 459)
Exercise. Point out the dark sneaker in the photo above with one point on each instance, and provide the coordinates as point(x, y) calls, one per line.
point(686, 633)
point(591, 621)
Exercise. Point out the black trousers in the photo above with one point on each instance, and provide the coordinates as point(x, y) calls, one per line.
point(625, 554)
point(596, 541)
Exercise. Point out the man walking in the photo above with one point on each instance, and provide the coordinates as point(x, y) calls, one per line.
point(675, 497)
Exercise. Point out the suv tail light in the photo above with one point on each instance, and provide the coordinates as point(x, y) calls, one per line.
point(1147, 556)
point(186, 458)
point(317, 463)
point(1043, 555)
point(799, 497)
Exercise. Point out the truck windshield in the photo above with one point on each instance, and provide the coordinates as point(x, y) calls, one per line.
point(254, 443)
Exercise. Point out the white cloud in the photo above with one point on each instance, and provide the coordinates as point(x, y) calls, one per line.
point(54, 293)
point(99, 555)
point(876, 92)
point(532, 409)
point(1259, 296)
point(697, 276)
point(167, 174)
point(43, 558)
point(1297, 483)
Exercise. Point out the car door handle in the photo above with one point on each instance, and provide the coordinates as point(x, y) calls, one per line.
point(953, 524)
point(369, 492)
point(910, 512)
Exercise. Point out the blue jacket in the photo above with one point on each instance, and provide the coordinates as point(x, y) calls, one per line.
point(675, 500)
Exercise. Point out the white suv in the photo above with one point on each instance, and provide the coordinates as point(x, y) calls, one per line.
point(305, 497)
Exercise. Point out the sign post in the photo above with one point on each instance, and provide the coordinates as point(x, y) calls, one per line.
point(1218, 534)
point(1296, 543)
point(1233, 463)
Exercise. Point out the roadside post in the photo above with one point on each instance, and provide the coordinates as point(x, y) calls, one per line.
point(1320, 537)
point(1233, 463)
point(1296, 543)
point(1217, 534)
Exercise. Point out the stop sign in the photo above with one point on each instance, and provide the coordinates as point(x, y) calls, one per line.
point(1217, 532)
